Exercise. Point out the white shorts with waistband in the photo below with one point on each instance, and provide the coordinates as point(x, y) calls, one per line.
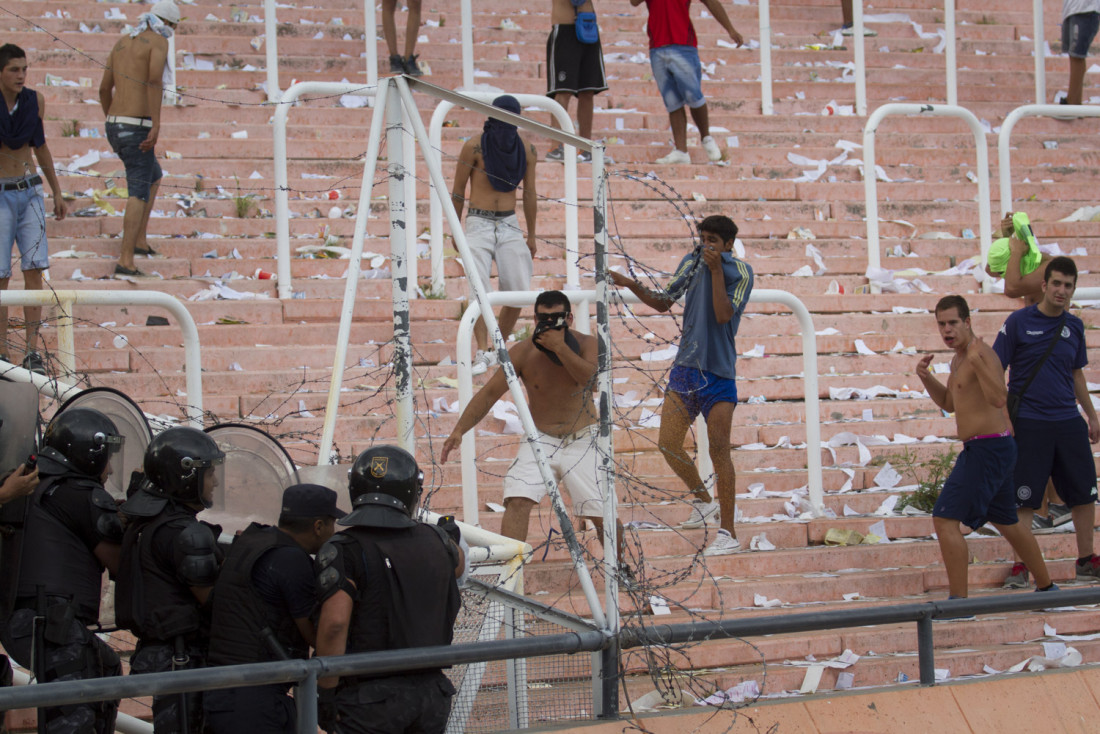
point(573, 463)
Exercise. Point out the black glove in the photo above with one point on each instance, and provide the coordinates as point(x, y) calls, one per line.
point(447, 522)
point(326, 709)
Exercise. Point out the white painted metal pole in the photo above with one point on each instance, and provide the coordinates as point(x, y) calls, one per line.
point(396, 135)
point(435, 209)
point(66, 342)
point(282, 185)
point(271, 42)
point(766, 106)
point(467, 33)
point(859, 42)
point(347, 311)
point(870, 191)
point(169, 96)
point(412, 229)
point(370, 37)
point(1039, 50)
point(949, 52)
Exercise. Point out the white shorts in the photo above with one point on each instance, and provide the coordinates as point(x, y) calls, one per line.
point(503, 241)
point(573, 463)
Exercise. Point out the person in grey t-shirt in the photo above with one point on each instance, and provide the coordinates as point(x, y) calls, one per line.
point(716, 287)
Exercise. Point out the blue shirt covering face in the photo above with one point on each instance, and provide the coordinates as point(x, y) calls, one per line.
point(1022, 342)
point(705, 344)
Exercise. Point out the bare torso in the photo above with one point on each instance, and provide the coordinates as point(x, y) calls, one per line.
point(559, 404)
point(562, 11)
point(974, 415)
point(482, 193)
point(129, 68)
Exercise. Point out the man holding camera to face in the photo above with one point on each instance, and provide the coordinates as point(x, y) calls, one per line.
point(558, 368)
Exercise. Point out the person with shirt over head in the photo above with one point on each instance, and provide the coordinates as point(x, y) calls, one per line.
point(168, 566)
point(22, 210)
point(131, 94)
point(71, 534)
point(716, 286)
point(979, 489)
point(1043, 348)
point(263, 602)
point(674, 56)
point(494, 165)
point(387, 582)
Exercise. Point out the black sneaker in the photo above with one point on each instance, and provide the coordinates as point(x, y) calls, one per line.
point(397, 64)
point(557, 154)
point(584, 156)
point(1089, 570)
point(1060, 514)
point(33, 363)
point(131, 272)
point(1041, 525)
point(146, 251)
point(411, 67)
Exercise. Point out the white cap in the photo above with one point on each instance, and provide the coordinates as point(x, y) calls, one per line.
point(167, 10)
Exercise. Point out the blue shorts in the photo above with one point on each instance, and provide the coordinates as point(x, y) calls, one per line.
point(979, 489)
point(679, 76)
point(23, 222)
point(1077, 33)
point(142, 169)
point(1057, 450)
point(700, 391)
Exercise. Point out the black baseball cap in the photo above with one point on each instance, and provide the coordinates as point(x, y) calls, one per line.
point(310, 500)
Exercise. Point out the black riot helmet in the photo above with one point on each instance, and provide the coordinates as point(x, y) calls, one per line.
point(177, 463)
point(81, 440)
point(385, 483)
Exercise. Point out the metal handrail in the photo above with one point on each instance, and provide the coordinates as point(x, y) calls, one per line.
point(397, 661)
point(870, 179)
point(66, 348)
point(1004, 164)
point(468, 453)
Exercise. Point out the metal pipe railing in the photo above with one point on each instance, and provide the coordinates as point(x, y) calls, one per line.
point(1039, 50)
point(66, 300)
point(1004, 139)
point(397, 661)
point(870, 178)
point(468, 452)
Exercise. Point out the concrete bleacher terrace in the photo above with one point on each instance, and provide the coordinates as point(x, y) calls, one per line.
point(268, 362)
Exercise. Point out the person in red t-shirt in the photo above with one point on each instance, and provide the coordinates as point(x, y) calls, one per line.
point(674, 55)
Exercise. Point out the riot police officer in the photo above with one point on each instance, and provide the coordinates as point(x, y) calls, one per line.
point(168, 566)
point(387, 582)
point(264, 598)
point(71, 533)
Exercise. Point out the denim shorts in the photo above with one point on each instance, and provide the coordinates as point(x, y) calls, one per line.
point(142, 169)
point(23, 222)
point(679, 76)
point(1077, 33)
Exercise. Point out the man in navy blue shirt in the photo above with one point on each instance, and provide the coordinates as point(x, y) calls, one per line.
point(1051, 436)
point(716, 288)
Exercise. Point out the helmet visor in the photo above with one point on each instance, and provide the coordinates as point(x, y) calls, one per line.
point(211, 473)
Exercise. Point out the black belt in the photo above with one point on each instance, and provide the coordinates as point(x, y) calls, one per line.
point(488, 214)
point(21, 185)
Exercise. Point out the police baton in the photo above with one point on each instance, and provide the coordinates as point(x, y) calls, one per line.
point(38, 650)
point(180, 659)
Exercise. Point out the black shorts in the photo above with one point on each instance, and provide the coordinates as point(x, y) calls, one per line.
point(979, 489)
point(572, 66)
point(1057, 450)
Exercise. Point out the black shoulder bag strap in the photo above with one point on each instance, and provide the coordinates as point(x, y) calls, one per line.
point(1039, 366)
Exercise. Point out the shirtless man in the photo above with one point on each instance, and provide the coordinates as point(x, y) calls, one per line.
point(494, 164)
point(574, 68)
point(22, 210)
point(130, 94)
point(558, 368)
point(980, 487)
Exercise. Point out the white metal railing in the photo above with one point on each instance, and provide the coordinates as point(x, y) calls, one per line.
point(282, 185)
point(66, 345)
point(468, 454)
point(1004, 139)
point(435, 134)
point(1039, 52)
point(870, 185)
point(271, 47)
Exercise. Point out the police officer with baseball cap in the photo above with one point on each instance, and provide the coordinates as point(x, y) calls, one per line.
point(387, 582)
point(263, 601)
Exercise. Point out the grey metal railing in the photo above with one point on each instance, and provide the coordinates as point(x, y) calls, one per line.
point(307, 672)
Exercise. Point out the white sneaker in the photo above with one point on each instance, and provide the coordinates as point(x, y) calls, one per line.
point(714, 153)
point(702, 513)
point(483, 360)
point(676, 157)
point(722, 545)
